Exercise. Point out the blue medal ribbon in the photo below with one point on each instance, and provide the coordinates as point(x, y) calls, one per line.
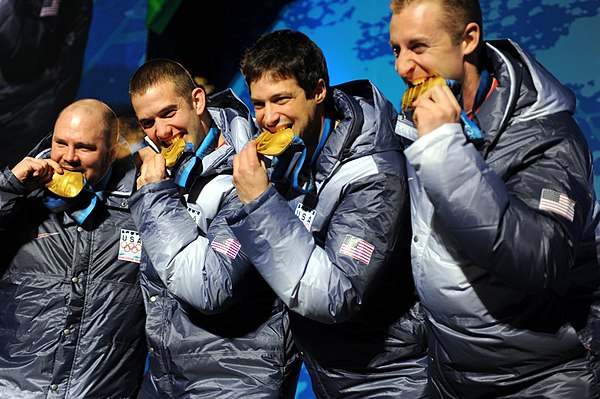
point(189, 165)
point(471, 130)
point(291, 161)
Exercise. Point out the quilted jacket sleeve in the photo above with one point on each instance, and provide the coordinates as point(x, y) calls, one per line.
point(327, 280)
point(501, 222)
point(181, 253)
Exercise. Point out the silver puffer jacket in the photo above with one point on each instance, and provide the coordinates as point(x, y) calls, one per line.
point(497, 233)
point(71, 307)
point(339, 256)
point(214, 327)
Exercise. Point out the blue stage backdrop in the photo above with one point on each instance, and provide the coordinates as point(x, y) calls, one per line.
point(116, 48)
point(353, 34)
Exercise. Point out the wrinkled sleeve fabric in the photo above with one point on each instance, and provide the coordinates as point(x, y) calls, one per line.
point(181, 253)
point(11, 191)
point(317, 279)
point(496, 221)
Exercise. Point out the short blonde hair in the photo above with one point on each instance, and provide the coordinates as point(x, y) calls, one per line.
point(458, 13)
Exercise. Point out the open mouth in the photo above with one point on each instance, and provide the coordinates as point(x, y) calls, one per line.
point(417, 82)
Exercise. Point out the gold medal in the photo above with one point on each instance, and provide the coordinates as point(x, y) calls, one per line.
point(67, 185)
point(173, 152)
point(268, 143)
point(419, 87)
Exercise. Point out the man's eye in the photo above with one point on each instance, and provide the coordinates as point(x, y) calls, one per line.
point(418, 47)
point(169, 114)
point(396, 51)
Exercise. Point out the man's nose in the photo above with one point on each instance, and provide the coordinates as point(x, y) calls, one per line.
point(163, 130)
point(270, 116)
point(70, 155)
point(404, 65)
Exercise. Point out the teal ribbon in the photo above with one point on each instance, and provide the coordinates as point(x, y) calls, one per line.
point(289, 164)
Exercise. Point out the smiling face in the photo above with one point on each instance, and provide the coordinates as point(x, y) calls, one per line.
point(83, 142)
point(423, 44)
point(282, 103)
point(165, 115)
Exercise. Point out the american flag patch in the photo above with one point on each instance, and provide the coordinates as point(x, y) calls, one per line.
point(556, 202)
point(357, 248)
point(226, 245)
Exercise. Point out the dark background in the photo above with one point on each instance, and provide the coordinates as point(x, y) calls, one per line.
point(208, 37)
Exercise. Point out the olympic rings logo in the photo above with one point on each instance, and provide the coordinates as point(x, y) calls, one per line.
point(131, 247)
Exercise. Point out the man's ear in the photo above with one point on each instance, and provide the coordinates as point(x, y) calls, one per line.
point(199, 100)
point(115, 151)
point(320, 91)
point(471, 38)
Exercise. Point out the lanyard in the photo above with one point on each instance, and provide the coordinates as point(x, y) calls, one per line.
point(327, 129)
point(212, 137)
point(485, 86)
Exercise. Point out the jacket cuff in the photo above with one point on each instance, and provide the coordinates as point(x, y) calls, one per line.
point(13, 184)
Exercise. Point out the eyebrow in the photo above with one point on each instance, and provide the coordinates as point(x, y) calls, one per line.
point(166, 108)
point(77, 143)
point(279, 94)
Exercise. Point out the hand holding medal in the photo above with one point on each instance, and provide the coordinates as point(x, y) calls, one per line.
point(419, 87)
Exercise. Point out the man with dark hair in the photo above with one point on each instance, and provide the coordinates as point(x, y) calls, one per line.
point(325, 221)
point(502, 208)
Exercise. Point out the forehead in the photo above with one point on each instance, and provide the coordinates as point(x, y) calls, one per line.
point(155, 99)
point(80, 127)
point(268, 86)
point(416, 20)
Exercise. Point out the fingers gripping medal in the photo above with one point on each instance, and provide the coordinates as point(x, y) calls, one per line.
point(273, 144)
point(419, 87)
point(67, 185)
point(173, 152)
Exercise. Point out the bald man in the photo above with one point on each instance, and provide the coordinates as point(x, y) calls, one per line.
point(71, 310)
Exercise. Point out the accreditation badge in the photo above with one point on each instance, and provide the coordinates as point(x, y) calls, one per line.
point(306, 216)
point(130, 246)
point(406, 129)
